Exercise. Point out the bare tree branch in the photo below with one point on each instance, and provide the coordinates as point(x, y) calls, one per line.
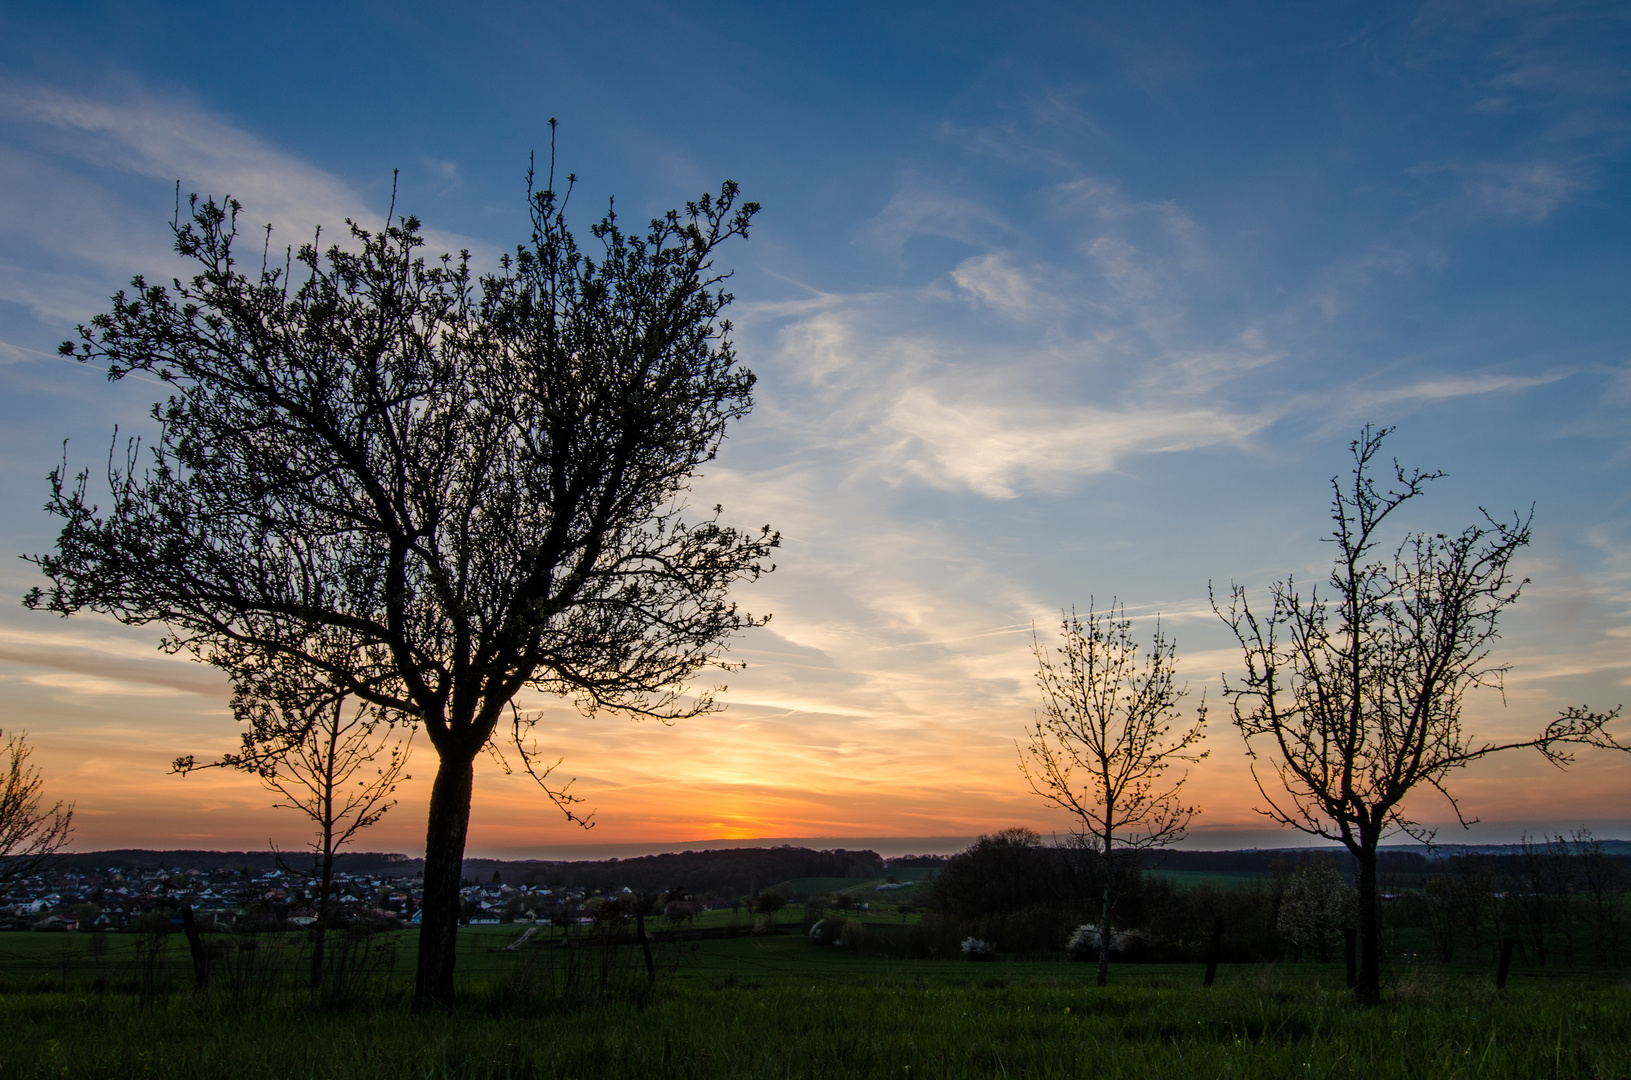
point(1352, 698)
point(30, 834)
point(425, 489)
point(1105, 739)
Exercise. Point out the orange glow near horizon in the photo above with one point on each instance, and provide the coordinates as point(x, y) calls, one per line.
point(921, 748)
point(685, 784)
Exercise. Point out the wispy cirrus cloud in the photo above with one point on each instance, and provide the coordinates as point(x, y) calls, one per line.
point(167, 140)
point(67, 160)
point(993, 280)
point(997, 450)
point(1453, 386)
point(922, 207)
point(1532, 190)
point(1016, 371)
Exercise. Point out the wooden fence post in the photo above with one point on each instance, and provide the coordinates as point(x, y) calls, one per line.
point(645, 943)
point(195, 944)
point(1505, 965)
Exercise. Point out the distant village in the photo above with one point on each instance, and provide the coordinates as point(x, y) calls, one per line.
point(117, 898)
point(136, 891)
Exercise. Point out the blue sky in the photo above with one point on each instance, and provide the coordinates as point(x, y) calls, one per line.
point(1048, 302)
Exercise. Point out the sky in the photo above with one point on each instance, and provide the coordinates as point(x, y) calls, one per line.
point(1050, 304)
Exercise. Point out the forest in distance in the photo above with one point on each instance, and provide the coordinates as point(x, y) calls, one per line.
point(736, 870)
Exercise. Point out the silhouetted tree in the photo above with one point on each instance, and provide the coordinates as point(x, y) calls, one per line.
point(1602, 883)
point(1445, 913)
point(30, 834)
point(998, 874)
point(462, 488)
point(1105, 739)
point(1353, 699)
point(336, 765)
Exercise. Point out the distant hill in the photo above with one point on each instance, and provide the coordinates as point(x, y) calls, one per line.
point(731, 872)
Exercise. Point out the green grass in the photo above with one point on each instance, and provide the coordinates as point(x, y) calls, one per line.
point(777, 1005)
point(863, 888)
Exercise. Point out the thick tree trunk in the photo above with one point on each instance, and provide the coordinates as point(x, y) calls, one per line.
point(444, 862)
point(1368, 979)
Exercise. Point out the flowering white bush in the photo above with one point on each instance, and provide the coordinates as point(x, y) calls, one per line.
point(1084, 943)
point(975, 949)
point(1317, 904)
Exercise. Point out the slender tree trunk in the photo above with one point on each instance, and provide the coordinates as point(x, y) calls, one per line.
point(1368, 978)
point(1104, 916)
point(444, 862)
point(325, 886)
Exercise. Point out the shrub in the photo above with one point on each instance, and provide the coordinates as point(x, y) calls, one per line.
point(976, 949)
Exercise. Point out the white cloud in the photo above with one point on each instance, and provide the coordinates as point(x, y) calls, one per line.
point(1453, 386)
point(997, 449)
point(81, 226)
point(1164, 223)
point(993, 280)
point(924, 208)
point(168, 140)
point(1532, 190)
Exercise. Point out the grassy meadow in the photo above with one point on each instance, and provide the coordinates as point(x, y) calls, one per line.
point(776, 1005)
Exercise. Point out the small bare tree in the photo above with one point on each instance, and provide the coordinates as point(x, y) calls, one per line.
point(336, 763)
point(1602, 883)
point(1352, 699)
point(29, 833)
point(1109, 730)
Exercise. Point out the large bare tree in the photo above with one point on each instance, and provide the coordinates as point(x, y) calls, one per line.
point(462, 488)
point(30, 832)
point(1109, 731)
point(1352, 697)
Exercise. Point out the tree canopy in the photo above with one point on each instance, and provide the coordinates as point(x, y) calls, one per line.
point(426, 489)
point(1352, 695)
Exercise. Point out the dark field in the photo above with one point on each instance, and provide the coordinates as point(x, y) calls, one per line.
point(777, 1005)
